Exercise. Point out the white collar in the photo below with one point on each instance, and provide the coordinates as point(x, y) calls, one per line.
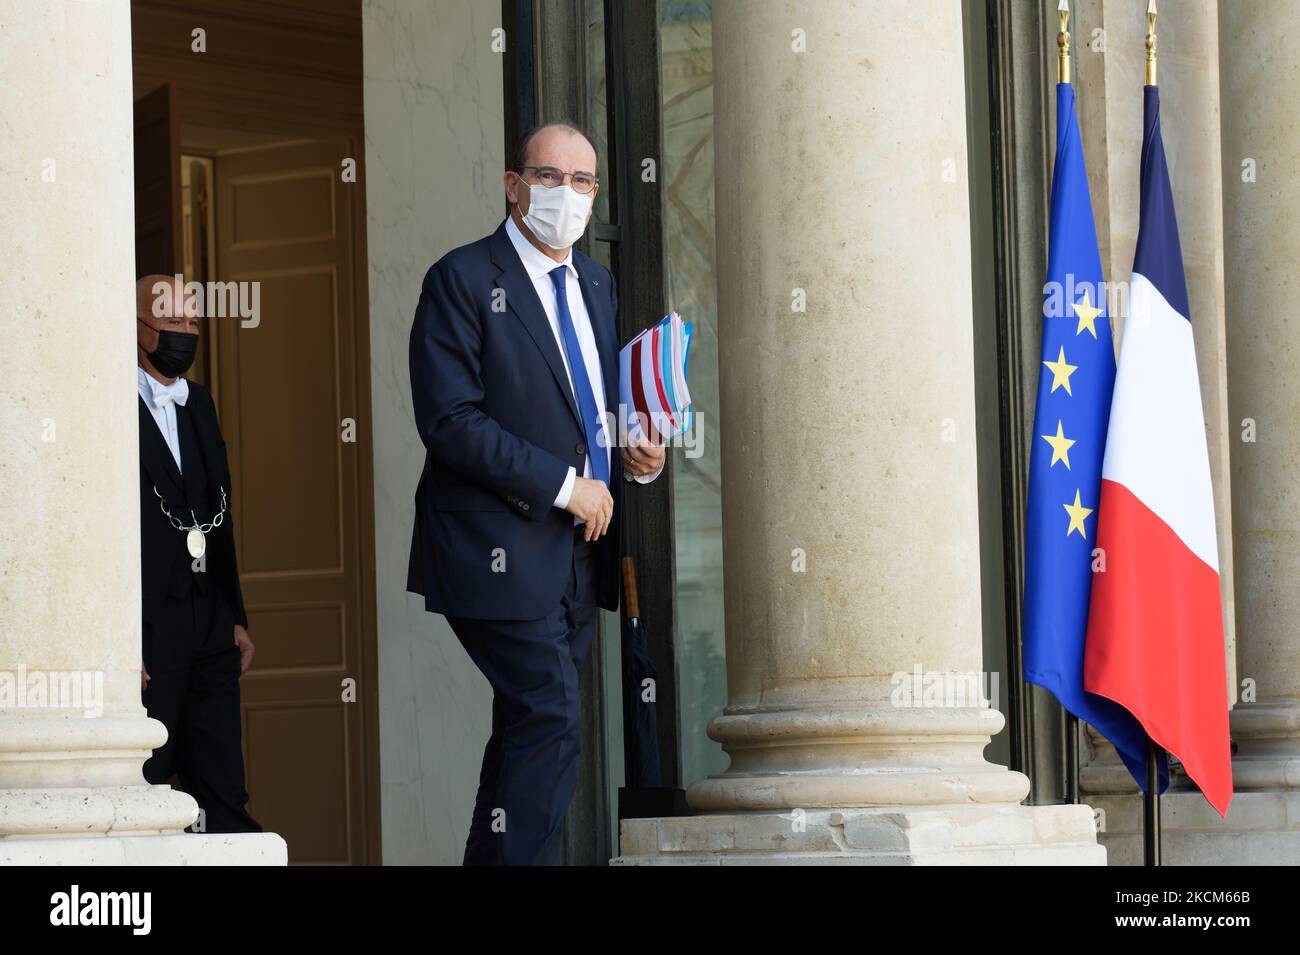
point(151, 389)
point(535, 262)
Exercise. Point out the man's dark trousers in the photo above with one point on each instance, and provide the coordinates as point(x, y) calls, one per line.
point(530, 764)
point(193, 690)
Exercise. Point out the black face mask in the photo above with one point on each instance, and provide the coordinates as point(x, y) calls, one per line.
point(175, 352)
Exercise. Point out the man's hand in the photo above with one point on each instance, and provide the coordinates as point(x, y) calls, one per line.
point(641, 456)
point(592, 502)
point(245, 649)
point(144, 676)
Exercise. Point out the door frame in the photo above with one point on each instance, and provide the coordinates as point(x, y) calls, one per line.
point(297, 75)
point(546, 74)
point(1019, 91)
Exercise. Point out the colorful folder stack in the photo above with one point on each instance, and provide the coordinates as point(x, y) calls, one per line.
point(652, 381)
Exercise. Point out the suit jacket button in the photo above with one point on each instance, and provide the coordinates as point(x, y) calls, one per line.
point(524, 505)
point(581, 448)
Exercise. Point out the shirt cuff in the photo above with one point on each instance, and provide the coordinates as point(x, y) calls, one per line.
point(647, 478)
point(566, 490)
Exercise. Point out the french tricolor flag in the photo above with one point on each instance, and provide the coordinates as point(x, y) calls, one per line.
point(1155, 624)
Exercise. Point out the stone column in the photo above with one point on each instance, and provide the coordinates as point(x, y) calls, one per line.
point(73, 732)
point(1261, 151)
point(849, 459)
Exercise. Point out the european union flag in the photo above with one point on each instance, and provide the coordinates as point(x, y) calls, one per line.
point(1075, 384)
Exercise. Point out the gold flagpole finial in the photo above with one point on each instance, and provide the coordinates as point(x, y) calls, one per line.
point(1063, 43)
point(1151, 42)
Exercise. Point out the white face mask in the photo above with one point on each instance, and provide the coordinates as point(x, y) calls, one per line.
point(557, 216)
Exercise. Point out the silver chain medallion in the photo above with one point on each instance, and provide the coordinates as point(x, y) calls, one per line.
point(196, 541)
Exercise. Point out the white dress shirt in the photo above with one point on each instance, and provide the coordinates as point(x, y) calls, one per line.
point(161, 400)
point(539, 267)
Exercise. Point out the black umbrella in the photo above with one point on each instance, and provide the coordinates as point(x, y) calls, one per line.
point(640, 687)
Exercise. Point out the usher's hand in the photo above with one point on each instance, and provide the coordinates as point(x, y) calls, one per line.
point(592, 502)
point(641, 456)
point(245, 649)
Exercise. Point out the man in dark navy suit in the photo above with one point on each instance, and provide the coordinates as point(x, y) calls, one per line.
point(514, 375)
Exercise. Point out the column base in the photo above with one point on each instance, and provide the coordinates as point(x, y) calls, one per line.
point(1262, 828)
point(244, 848)
point(94, 811)
point(871, 751)
point(938, 835)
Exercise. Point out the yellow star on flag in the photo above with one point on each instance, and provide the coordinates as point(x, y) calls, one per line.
point(1060, 445)
point(1077, 514)
point(1087, 315)
point(1061, 372)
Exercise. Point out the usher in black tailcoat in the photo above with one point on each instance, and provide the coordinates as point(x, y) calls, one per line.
point(165, 562)
point(189, 616)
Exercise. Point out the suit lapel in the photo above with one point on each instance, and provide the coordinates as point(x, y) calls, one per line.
point(156, 457)
point(521, 298)
point(602, 324)
point(192, 456)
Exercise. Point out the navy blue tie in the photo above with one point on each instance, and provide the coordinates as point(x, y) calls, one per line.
point(591, 414)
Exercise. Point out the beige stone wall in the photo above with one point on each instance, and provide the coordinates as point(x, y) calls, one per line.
point(1261, 153)
point(434, 148)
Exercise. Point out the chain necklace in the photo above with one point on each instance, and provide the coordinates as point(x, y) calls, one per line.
point(196, 541)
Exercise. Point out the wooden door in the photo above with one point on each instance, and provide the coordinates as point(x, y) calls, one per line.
point(288, 381)
point(157, 185)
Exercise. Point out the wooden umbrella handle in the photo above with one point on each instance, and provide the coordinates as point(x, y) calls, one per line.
point(629, 587)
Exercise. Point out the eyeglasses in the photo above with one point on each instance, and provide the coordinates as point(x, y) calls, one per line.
point(550, 177)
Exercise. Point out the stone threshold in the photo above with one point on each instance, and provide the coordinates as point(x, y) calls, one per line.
point(932, 835)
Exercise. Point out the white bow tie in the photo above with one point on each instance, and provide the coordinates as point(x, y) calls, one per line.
point(163, 395)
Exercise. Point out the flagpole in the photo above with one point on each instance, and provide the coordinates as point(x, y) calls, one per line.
point(1151, 808)
point(1063, 43)
point(1071, 757)
point(1151, 42)
point(1071, 721)
point(1151, 848)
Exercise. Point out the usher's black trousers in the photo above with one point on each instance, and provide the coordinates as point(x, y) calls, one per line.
point(530, 764)
point(193, 690)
